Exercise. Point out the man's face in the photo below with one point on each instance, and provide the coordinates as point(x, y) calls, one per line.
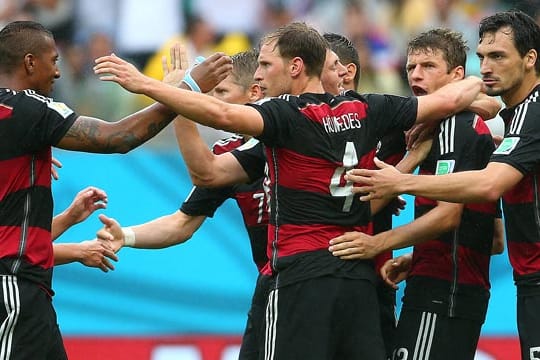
point(427, 71)
point(501, 65)
point(45, 68)
point(231, 92)
point(333, 73)
point(272, 73)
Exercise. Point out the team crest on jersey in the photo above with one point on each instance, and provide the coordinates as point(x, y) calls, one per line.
point(60, 108)
point(507, 146)
point(444, 167)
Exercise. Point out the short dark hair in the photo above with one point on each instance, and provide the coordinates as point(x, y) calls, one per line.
point(244, 67)
point(525, 30)
point(299, 39)
point(346, 51)
point(19, 38)
point(451, 43)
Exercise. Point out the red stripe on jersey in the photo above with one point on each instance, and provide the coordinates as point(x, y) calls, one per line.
point(38, 247)
point(434, 259)
point(522, 192)
point(5, 111)
point(484, 208)
point(295, 239)
point(480, 127)
point(15, 173)
point(381, 259)
point(524, 257)
point(422, 201)
point(347, 114)
point(301, 172)
point(254, 207)
point(228, 144)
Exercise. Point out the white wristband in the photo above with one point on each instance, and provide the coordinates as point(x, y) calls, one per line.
point(129, 236)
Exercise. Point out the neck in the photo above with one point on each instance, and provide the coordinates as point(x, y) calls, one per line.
point(307, 85)
point(513, 98)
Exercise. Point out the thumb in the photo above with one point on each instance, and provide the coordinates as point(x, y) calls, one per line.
point(107, 221)
point(380, 164)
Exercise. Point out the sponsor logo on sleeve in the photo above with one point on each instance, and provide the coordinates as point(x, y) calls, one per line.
point(445, 167)
point(60, 108)
point(507, 146)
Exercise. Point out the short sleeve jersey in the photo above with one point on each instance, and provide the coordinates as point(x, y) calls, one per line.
point(29, 125)
point(311, 141)
point(520, 149)
point(457, 262)
point(250, 199)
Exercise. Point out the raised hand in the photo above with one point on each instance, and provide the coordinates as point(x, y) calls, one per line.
point(115, 69)
point(173, 73)
point(85, 203)
point(212, 71)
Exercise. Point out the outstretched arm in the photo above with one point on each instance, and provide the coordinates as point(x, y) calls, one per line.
point(159, 233)
point(205, 167)
point(483, 185)
point(356, 245)
point(198, 107)
point(84, 204)
point(95, 135)
point(92, 253)
point(449, 99)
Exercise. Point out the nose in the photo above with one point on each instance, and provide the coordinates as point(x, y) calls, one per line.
point(415, 72)
point(485, 67)
point(341, 69)
point(257, 76)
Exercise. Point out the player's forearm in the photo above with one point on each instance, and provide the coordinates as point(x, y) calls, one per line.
point(166, 231)
point(431, 225)
point(66, 253)
point(205, 110)
point(198, 158)
point(462, 187)
point(60, 224)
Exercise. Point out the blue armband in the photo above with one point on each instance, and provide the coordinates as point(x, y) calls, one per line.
point(191, 82)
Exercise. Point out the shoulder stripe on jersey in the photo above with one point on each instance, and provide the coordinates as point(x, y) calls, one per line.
point(424, 339)
point(447, 135)
point(226, 141)
point(33, 94)
point(519, 118)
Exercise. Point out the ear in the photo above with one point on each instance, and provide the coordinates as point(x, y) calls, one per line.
point(29, 63)
point(351, 73)
point(255, 92)
point(531, 58)
point(296, 66)
point(458, 73)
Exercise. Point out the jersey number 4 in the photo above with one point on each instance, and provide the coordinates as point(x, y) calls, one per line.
point(338, 185)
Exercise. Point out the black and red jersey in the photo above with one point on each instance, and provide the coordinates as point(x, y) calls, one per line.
point(391, 150)
point(457, 262)
point(250, 198)
point(520, 148)
point(311, 141)
point(29, 125)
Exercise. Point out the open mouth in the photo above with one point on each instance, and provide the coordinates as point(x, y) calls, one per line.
point(418, 91)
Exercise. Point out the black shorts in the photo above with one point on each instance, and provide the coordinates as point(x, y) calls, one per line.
point(29, 328)
point(423, 335)
point(387, 304)
point(528, 318)
point(253, 338)
point(323, 318)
